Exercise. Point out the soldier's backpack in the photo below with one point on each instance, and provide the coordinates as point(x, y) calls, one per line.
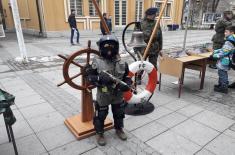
point(232, 57)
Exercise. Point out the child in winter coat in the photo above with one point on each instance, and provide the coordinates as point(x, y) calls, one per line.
point(222, 55)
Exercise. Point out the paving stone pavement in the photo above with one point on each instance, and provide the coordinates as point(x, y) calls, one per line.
point(200, 122)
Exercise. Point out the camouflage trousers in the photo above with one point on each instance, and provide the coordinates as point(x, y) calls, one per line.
point(153, 59)
point(217, 45)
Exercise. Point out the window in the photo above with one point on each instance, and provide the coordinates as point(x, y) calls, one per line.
point(120, 12)
point(167, 11)
point(138, 10)
point(92, 10)
point(77, 5)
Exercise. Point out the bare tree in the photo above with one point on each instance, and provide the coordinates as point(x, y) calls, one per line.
point(215, 5)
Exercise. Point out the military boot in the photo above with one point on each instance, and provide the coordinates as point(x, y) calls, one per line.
point(232, 85)
point(121, 134)
point(100, 139)
point(221, 89)
point(216, 85)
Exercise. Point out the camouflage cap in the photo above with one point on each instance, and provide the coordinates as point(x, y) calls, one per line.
point(151, 11)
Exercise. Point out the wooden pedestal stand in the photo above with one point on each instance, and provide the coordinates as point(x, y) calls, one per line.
point(81, 125)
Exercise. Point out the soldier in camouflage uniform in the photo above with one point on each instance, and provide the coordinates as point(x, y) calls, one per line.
point(218, 38)
point(109, 91)
point(147, 26)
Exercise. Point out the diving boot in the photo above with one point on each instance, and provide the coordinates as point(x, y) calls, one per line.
point(100, 139)
point(121, 134)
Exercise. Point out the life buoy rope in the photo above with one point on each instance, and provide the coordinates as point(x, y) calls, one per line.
point(144, 95)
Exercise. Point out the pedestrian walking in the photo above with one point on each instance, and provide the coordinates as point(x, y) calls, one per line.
point(108, 22)
point(73, 26)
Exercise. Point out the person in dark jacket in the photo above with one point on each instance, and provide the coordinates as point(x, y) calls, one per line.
point(108, 22)
point(73, 26)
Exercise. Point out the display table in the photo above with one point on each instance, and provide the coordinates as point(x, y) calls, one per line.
point(176, 67)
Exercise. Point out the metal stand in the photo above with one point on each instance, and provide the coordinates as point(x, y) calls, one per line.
point(11, 137)
point(139, 109)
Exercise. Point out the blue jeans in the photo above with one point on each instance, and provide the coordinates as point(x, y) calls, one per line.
point(72, 34)
point(223, 78)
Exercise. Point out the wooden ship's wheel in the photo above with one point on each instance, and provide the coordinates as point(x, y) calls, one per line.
point(81, 125)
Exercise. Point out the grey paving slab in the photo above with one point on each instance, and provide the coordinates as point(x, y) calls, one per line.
point(177, 104)
point(46, 121)
point(13, 89)
point(95, 151)
point(17, 115)
point(4, 68)
point(56, 137)
point(229, 133)
point(149, 131)
point(190, 110)
point(223, 144)
point(196, 132)
point(74, 148)
point(29, 145)
point(20, 129)
point(23, 94)
point(159, 112)
point(171, 119)
point(171, 143)
point(12, 82)
point(214, 120)
point(29, 100)
point(36, 110)
point(63, 102)
point(136, 122)
point(132, 145)
point(161, 99)
point(204, 152)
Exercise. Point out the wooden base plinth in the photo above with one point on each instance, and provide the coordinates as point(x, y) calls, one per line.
point(84, 129)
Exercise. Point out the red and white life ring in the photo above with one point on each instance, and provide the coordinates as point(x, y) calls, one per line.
point(144, 95)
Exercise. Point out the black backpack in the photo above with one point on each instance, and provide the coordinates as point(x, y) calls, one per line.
point(232, 57)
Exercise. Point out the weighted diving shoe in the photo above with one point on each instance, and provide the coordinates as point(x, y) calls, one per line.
point(100, 139)
point(121, 134)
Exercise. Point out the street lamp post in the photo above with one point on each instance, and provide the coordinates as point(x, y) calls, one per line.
point(19, 33)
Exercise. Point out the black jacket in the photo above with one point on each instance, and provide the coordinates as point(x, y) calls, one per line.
point(109, 24)
point(72, 21)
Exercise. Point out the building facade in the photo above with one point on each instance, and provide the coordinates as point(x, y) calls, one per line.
point(51, 16)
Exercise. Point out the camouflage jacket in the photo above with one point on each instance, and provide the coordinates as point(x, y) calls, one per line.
point(219, 29)
point(147, 27)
